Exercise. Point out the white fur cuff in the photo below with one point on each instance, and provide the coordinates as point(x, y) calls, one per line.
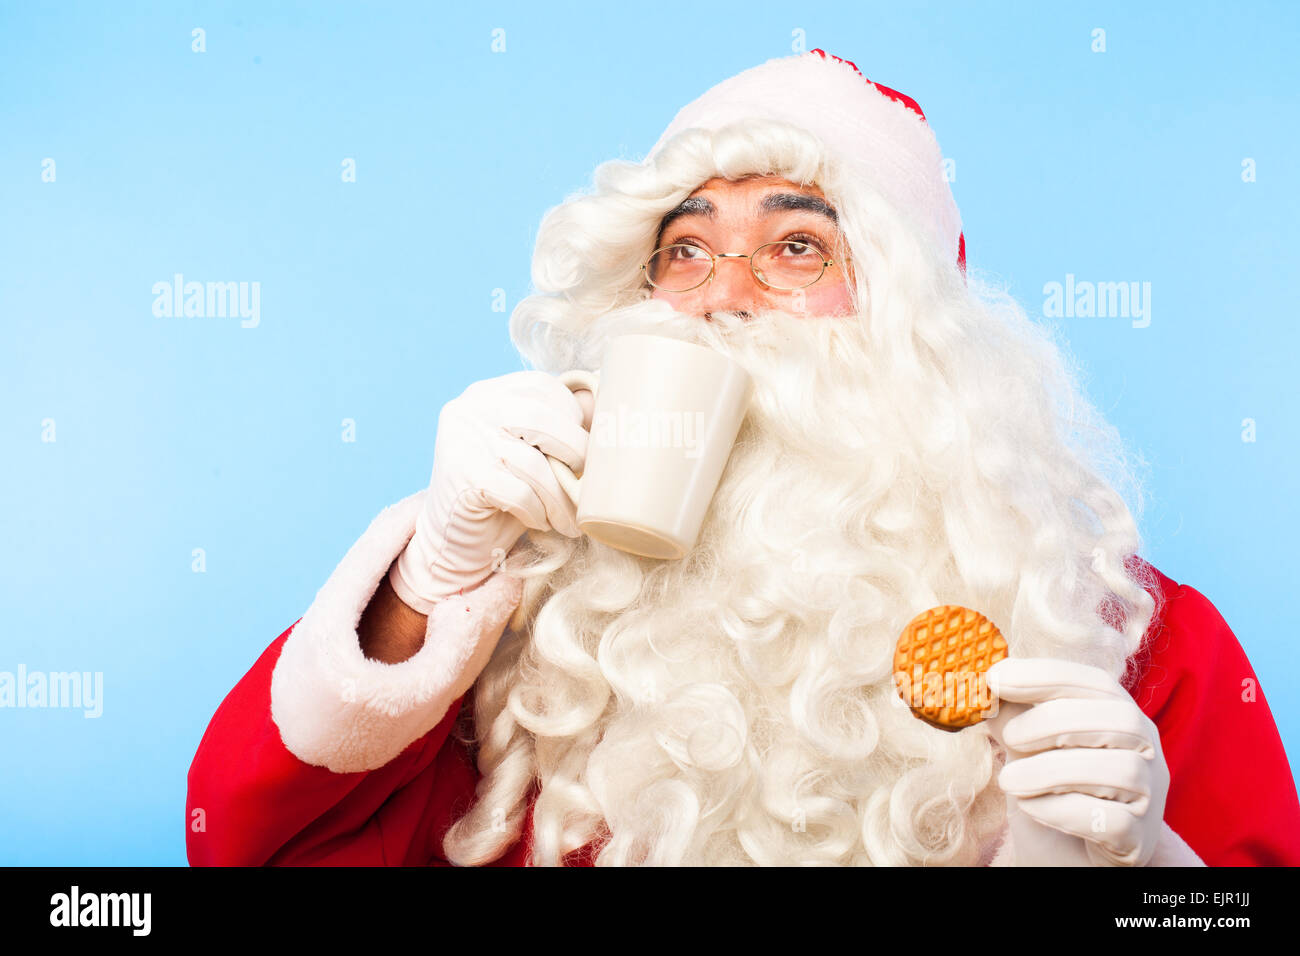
point(338, 709)
point(1171, 850)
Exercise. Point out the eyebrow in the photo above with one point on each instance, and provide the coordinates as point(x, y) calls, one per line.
point(776, 202)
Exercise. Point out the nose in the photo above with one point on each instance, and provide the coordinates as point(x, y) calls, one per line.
point(733, 288)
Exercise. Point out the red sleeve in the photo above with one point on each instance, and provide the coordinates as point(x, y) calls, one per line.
point(1232, 797)
point(262, 805)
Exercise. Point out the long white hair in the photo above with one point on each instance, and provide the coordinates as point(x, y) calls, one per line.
point(736, 706)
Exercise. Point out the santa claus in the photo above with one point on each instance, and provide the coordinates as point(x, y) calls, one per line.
point(480, 683)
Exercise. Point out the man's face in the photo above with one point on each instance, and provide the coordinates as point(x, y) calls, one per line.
point(726, 216)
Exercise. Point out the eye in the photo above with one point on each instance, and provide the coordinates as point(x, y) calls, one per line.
point(686, 249)
point(804, 246)
point(808, 245)
point(688, 252)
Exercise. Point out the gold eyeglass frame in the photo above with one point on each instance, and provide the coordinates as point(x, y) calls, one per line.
point(826, 264)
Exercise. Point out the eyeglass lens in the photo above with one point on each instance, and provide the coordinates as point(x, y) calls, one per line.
point(783, 265)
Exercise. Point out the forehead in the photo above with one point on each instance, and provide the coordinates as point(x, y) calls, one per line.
point(754, 195)
point(719, 186)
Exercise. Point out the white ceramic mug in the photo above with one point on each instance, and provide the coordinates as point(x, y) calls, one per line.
point(666, 415)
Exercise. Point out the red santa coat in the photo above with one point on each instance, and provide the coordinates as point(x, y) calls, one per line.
point(321, 756)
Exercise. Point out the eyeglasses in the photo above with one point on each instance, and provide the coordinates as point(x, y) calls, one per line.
point(785, 265)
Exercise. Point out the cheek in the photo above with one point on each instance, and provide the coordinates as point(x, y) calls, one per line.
point(828, 300)
point(817, 300)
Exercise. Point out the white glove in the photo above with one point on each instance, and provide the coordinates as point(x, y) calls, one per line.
point(490, 481)
point(1082, 759)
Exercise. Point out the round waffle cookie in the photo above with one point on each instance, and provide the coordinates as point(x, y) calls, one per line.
point(940, 662)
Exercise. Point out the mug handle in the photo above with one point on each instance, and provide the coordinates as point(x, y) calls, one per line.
point(574, 379)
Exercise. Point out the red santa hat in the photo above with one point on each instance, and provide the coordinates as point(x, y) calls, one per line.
point(879, 133)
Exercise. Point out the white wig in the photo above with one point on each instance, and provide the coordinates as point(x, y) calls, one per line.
point(736, 706)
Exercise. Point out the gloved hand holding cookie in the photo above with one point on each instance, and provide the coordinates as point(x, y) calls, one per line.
point(1085, 777)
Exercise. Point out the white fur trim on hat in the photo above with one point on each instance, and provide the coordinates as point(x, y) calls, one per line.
point(874, 135)
point(337, 708)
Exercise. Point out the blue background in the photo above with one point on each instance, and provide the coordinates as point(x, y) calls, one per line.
point(376, 301)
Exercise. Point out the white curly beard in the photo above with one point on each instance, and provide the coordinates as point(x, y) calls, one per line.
point(737, 707)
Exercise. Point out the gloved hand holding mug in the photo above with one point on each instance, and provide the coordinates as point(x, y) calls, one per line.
point(491, 481)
